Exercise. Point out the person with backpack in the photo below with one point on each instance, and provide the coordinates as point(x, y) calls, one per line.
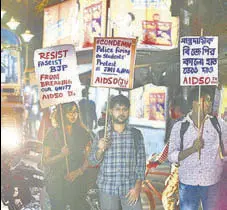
point(178, 109)
point(199, 152)
point(122, 159)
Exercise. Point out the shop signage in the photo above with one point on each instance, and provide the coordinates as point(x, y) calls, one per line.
point(57, 75)
point(198, 60)
point(113, 62)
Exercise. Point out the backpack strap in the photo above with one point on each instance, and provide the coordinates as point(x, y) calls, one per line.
point(183, 129)
point(217, 127)
point(135, 134)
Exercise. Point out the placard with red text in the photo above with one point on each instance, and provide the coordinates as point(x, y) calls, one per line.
point(57, 75)
point(113, 62)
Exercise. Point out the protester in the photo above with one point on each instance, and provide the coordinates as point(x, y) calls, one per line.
point(178, 108)
point(88, 111)
point(67, 189)
point(196, 150)
point(122, 160)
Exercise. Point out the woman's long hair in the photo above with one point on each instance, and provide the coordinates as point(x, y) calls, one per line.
point(66, 107)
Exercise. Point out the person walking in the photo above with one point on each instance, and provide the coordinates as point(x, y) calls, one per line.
point(122, 160)
point(197, 151)
point(170, 199)
point(67, 188)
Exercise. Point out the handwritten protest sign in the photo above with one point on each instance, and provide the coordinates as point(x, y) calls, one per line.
point(113, 62)
point(56, 71)
point(199, 60)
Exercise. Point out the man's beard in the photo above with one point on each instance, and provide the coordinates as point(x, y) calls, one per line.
point(117, 121)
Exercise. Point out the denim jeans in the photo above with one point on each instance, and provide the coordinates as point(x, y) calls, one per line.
point(114, 202)
point(190, 197)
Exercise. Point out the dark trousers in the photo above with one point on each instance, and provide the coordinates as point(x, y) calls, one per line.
point(63, 193)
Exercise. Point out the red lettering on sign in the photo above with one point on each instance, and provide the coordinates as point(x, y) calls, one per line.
point(196, 80)
point(53, 54)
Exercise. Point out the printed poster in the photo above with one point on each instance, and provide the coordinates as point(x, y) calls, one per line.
point(148, 106)
point(150, 21)
point(113, 63)
point(198, 60)
point(57, 75)
point(61, 24)
point(154, 103)
point(137, 103)
point(74, 22)
point(93, 19)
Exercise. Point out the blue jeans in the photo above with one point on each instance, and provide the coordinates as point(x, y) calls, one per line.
point(114, 202)
point(190, 197)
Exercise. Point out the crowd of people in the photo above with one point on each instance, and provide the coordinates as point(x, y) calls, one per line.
point(114, 160)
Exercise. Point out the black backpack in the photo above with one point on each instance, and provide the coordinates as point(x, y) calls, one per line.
point(215, 123)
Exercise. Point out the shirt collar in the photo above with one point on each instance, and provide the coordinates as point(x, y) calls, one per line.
point(188, 118)
point(110, 128)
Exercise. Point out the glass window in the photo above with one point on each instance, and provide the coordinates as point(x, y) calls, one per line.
point(9, 63)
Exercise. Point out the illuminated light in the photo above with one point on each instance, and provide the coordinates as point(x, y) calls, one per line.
point(27, 89)
point(3, 12)
point(27, 36)
point(9, 138)
point(35, 109)
point(13, 24)
point(164, 73)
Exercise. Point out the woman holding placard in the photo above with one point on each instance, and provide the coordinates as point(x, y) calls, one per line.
point(66, 166)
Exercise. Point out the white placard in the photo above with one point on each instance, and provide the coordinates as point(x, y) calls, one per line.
point(113, 62)
point(199, 60)
point(56, 70)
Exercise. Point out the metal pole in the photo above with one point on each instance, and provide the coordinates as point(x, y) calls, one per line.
point(26, 56)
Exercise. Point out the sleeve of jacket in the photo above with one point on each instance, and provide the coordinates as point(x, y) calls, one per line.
point(174, 143)
point(141, 157)
point(164, 154)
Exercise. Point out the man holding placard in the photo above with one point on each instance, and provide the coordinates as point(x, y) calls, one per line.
point(199, 176)
point(122, 160)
